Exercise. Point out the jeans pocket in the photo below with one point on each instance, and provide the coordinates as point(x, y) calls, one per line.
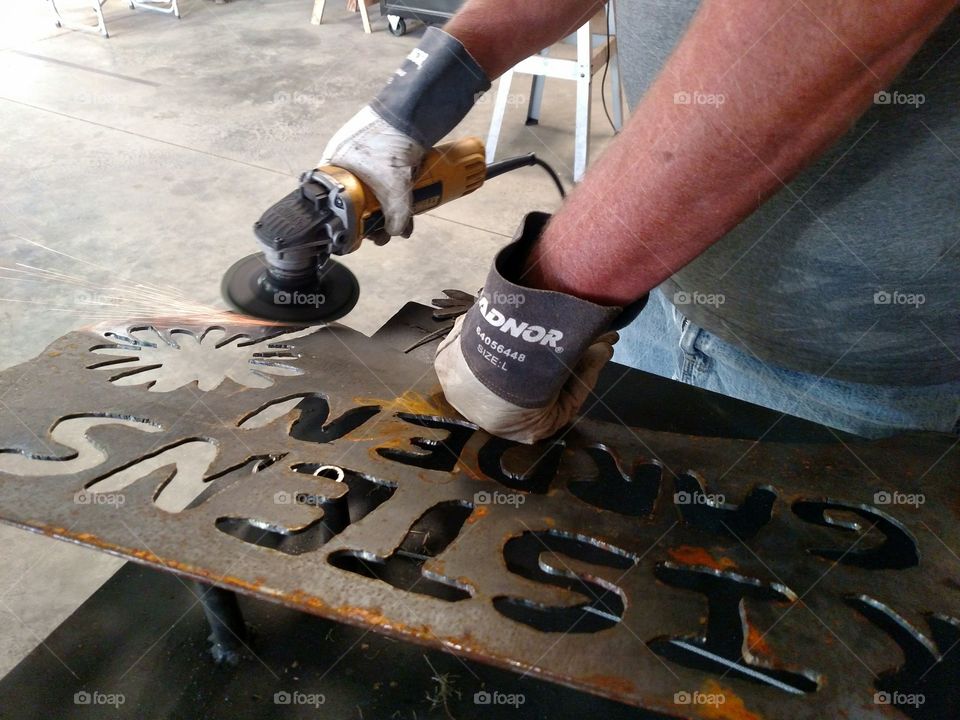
point(693, 363)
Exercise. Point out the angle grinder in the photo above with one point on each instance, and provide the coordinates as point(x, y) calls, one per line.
point(293, 279)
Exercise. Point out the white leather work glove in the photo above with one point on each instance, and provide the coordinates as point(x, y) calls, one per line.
point(384, 143)
point(503, 418)
point(385, 159)
point(521, 361)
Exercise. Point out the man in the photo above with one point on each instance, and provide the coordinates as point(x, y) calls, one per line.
point(785, 191)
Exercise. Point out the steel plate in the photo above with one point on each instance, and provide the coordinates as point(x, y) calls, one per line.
point(692, 577)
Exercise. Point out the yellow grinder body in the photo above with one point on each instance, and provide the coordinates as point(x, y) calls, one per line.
point(448, 171)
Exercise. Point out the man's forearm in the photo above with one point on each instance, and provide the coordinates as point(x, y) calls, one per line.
point(772, 84)
point(501, 33)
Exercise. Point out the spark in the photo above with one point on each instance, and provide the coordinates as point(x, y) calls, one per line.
point(121, 300)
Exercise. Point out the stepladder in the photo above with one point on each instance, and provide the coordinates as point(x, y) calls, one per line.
point(596, 45)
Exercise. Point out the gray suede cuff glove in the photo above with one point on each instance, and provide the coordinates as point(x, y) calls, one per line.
point(433, 90)
point(522, 344)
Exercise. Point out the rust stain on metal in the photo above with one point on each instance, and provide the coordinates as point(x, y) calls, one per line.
point(303, 599)
point(756, 641)
point(480, 511)
point(692, 555)
point(611, 683)
point(732, 707)
point(150, 558)
point(411, 402)
point(375, 617)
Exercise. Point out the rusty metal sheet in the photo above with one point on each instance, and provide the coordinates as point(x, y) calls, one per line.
point(691, 577)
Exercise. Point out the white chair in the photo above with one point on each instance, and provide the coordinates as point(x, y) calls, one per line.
point(592, 49)
point(168, 7)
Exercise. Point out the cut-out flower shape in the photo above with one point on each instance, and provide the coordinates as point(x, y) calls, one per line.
point(169, 360)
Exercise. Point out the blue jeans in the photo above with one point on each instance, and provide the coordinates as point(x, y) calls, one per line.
point(664, 342)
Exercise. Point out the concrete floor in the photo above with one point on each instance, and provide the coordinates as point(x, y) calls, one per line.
point(148, 155)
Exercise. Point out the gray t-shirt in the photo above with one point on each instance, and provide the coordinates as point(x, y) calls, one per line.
point(858, 281)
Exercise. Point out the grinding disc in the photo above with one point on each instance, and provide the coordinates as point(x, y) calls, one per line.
point(247, 287)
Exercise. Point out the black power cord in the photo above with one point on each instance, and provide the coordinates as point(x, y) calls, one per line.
point(603, 80)
point(521, 161)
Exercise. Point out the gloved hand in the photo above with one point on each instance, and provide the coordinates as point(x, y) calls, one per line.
point(385, 142)
point(521, 361)
point(386, 160)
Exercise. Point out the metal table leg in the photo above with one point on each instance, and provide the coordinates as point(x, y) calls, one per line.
point(228, 631)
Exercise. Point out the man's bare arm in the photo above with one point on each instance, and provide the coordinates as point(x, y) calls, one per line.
point(499, 34)
point(793, 77)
